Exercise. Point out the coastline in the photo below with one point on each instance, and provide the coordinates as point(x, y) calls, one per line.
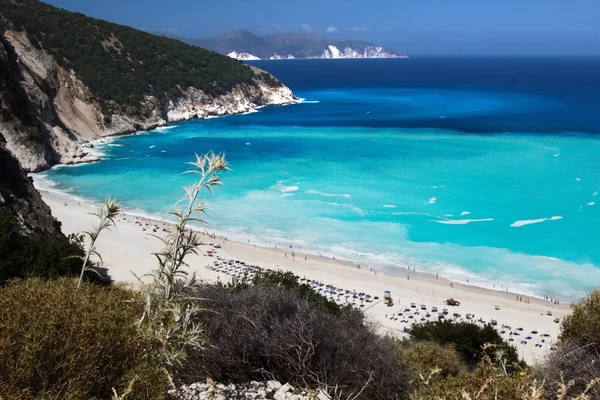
point(127, 250)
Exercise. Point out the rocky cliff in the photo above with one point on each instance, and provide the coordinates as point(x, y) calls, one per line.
point(20, 200)
point(47, 114)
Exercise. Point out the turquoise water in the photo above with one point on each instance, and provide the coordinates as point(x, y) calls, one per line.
point(351, 173)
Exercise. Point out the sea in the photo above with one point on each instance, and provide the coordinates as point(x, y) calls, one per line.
point(484, 169)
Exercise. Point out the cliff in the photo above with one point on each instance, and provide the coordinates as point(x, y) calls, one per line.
point(52, 105)
point(244, 45)
point(21, 202)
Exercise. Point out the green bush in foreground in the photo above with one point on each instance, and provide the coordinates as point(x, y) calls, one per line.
point(59, 343)
point(471, 341)
point(269, 331)
point(582, 327)
point(32, 256)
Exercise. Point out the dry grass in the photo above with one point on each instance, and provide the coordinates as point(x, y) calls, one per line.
point(59, 343)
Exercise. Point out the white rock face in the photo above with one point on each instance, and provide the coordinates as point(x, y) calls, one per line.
point(242, 56)
point(332, 52)
point(66, 116)
point(367, 52)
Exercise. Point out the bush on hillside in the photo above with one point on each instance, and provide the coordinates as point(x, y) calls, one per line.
point(574, 370)
point(287, 280)
point(269, 331)
point(32, 256)
point(425, 357)
point(469, 341)
point(582, 327)
point(59, 343)
point(485, 382)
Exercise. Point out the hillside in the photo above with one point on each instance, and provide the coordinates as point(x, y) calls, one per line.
point(245, 45)
point(66, 79)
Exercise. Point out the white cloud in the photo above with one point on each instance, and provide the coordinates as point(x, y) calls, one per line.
point(332, 29)
point(306, 28)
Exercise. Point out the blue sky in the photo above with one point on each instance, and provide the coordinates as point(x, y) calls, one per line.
point(411, 26)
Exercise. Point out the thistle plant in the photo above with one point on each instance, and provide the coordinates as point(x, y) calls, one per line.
point(170, 307)
point(106, 213)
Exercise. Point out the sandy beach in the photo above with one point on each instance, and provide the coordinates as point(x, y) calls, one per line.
point(127, 250)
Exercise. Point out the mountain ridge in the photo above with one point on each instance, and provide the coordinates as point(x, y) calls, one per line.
point(245, 45)
point(67, 79)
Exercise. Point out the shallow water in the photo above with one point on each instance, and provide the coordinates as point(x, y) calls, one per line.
point(479, 169)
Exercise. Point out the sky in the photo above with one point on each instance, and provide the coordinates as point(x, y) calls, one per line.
point(558, 27)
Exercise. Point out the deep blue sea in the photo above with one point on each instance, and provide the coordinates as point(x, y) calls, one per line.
point(485, 169)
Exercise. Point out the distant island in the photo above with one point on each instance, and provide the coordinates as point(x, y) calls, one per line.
point(244, 45)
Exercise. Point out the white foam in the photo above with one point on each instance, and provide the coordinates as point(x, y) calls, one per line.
point(164, 128)
point(578, 179)
point(287, 189)
point(432, 200)
point(389, 206)
point(465, 213)
point(247, 143)
point(304, 101)
point(153, 146)
point(163, 151)
point(591, 203)
point(462, 221)
point(524, 222)
point(328, 194)
point(557, 155)
point(595, 193)
point(353, 208)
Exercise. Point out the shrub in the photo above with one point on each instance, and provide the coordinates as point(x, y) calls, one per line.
point(287, 280)
point(425, 357)
point(32, 256)
point(269, 331)
point(485, 382)
point(572, 370)
point(469, 340)
point(582, 327)
point(59, 343)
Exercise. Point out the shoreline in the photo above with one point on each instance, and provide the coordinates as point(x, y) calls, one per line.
point(403, 271)
point(127, 250)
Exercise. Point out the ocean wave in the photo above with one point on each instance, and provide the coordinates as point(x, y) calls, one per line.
point(389, 206)
point(524, 222)
point(164, 128)
point(432, 200)
point(462, 221)
point(591, 203)
point(328, 194)
point(350, 206)
point(304, 101)
point(465, 213)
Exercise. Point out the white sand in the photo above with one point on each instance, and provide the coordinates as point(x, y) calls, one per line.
point(128, 249)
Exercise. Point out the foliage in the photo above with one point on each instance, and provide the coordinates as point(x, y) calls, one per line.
point(122, 65)
point(270, 331)
point(288, 280)
point(470, 341)
point(424, 357)
point(59, 343)
point(34, 256)
point(485, 382)
point(170, 314)
point(106, 214)
point(582, 327)
point(572, 371)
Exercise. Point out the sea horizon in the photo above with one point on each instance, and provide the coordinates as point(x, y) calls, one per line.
point(465, 180)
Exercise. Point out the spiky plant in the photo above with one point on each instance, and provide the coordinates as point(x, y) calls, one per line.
point(170, 310)
point(106, 213)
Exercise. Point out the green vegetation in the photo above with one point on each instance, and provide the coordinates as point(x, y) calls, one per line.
point(60, 343)
point(121, 65)
point(471, 341)
point(269, 330)
point(24, 256)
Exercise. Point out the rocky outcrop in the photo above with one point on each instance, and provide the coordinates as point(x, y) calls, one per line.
point(20, 200)
point(252, 390)
point(47, 114)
